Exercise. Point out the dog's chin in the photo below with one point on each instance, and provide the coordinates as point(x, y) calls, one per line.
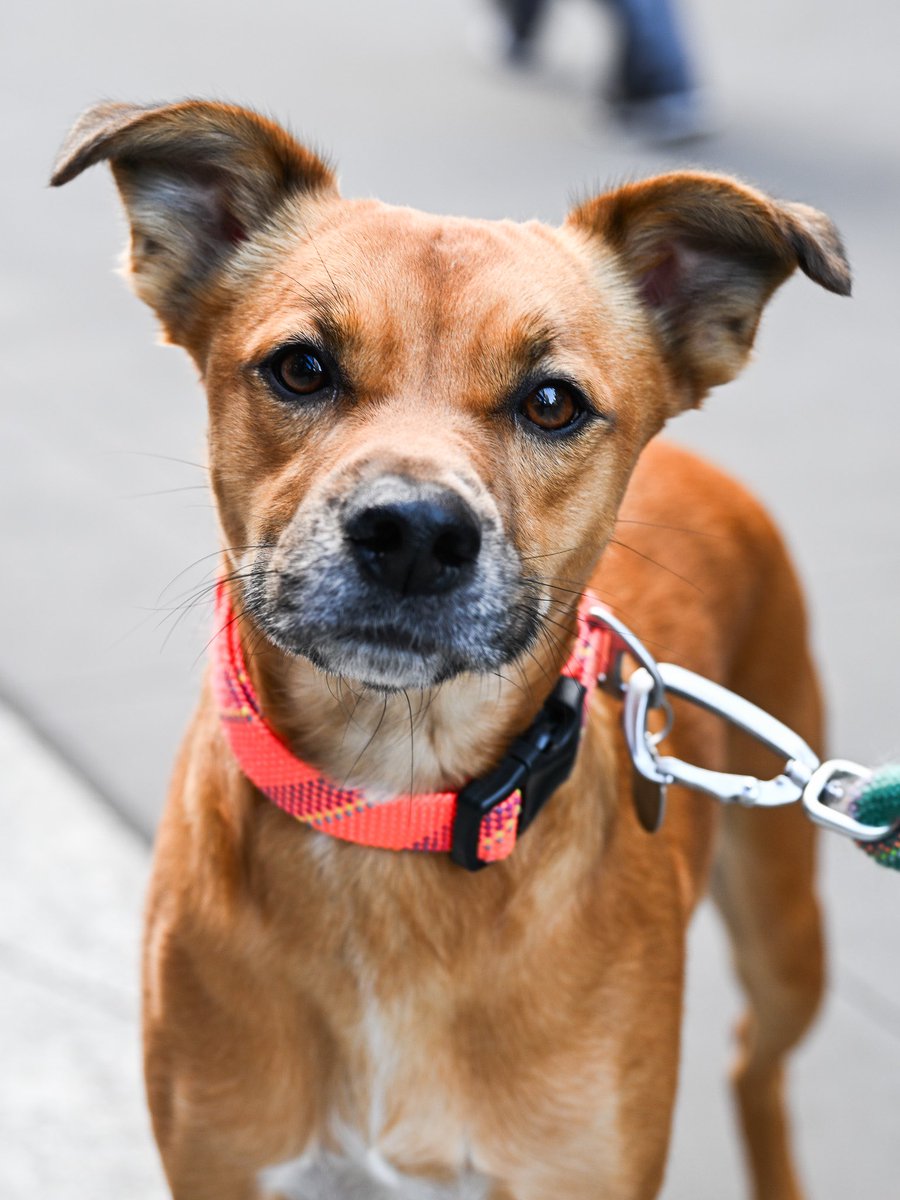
point(384, 665)
point(385, 668)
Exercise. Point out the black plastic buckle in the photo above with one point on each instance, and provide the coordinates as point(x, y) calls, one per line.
point(537, 763)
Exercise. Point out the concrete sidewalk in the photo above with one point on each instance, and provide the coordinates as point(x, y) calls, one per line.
point(71, 880)
point(71, 1105)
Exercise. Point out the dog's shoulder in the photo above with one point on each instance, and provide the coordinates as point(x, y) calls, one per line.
point(695, 555)
point(693, 494)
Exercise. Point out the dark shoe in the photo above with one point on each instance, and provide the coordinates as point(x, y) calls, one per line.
point(666, 120)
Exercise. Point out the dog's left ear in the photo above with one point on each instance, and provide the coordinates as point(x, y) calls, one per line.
point(705, 254)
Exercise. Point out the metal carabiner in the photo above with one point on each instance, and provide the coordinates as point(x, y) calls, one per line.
point(786, 788)
point(803, 776)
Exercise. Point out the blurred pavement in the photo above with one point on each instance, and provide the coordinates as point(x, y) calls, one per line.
point(72, 1120)
point(103, 507)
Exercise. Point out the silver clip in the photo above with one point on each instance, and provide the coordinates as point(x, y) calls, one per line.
point(786, 788)
point(823, 787)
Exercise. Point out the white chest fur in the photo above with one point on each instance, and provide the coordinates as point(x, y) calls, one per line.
point(368, 1177)
point(407, 1114)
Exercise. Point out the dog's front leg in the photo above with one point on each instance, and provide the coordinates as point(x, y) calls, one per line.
point(232, 1077)
point(209, 1151)
point(215, 1139)
point(199, 1172)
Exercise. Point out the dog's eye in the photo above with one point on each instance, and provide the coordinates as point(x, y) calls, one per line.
point(552, 407)
point(299, 370)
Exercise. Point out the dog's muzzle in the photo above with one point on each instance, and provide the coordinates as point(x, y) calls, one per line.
point(399, 584)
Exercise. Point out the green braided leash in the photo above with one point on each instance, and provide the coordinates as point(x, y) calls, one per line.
point(878, 803)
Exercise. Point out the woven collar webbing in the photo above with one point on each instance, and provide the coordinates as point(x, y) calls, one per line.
point(407, 822)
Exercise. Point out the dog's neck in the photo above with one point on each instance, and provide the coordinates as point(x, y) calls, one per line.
point(406, 741)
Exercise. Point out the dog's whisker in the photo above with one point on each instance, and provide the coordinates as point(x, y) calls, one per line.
point(556, 587)
point(176, 613)
point(313, 298)
point(568, 630)
point(547, 674)
point(433, 695)
point(620, 612)
point(195, 595)
point(656, 563)
point(303, 292)
point(349, 712)
point(257, 644)
point(384, 707)
point(553, 645)
point(312, 242)
point(188, 487)
point(175, 616)
point(707, 533)
point(186, 462)
point(206, 557)
point(501, 679)
point(577, 590)
point(555, 642)
point(359, 695)
point(412, 741)
point(550, 554)
point(525, 684)
point(235, 616)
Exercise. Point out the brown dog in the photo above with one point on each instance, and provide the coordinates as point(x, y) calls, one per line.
point(422, 430)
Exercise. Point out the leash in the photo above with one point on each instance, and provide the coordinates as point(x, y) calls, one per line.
point(481, 823)
point(842, 796)
point(878, 803)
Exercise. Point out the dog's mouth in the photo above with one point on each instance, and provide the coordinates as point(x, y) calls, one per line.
point(385, 659)
point(342, 628)
point(391, 637)
point(395, 657)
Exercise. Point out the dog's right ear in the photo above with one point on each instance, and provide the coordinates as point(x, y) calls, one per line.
point(197, 179)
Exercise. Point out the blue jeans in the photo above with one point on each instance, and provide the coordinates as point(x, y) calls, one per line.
point(653, 59)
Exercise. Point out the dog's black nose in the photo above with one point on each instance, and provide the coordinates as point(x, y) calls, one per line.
point(416, 547)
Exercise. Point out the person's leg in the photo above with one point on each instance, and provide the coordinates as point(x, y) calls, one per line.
point(523, 19)
point(654, 59)
point(654, 91)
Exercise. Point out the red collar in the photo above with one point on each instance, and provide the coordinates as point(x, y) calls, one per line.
point(477, 825)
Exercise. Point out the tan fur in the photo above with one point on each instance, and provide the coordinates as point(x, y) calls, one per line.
point(512, 1034)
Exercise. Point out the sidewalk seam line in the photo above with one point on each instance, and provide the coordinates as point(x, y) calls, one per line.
point(64, 755)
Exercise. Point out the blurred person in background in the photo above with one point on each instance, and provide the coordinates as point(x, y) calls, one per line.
point(654, 91)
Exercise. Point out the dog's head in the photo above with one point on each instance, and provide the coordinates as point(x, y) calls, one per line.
point(421, 427)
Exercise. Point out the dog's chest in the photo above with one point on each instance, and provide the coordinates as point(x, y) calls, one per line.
point(407, 1134)
point(397, 1112)
point(442, 1040)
